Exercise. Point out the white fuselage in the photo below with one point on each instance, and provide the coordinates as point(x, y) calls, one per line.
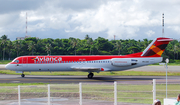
point(85, 66)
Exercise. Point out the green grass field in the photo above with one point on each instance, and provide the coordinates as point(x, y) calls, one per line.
point(126, 92)
point(5, 61)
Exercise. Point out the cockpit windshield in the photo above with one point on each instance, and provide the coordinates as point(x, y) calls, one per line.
point(17, 61)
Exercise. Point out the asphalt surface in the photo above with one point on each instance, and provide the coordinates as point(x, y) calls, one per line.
point(2, 67)
point(97, 79)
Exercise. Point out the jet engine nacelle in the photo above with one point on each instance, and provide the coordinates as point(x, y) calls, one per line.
point(123, 61)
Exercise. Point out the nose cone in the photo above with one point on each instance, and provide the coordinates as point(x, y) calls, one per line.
point(9, 66)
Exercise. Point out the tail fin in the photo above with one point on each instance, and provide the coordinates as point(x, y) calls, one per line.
point(156, 47)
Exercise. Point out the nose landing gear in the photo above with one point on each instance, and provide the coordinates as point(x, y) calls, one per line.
point(22, 75)
point(90, 75)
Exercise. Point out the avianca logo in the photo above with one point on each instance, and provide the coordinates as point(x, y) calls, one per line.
point(47, 59)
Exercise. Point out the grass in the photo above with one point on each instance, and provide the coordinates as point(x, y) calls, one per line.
point(126, 92)
point(5, 61)
point(118, 73)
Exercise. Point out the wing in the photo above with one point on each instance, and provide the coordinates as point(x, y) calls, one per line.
point(90, 69)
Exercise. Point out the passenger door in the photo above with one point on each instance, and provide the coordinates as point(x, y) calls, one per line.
point(25, 61)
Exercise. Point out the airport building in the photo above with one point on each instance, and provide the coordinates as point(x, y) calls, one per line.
point(22, 38)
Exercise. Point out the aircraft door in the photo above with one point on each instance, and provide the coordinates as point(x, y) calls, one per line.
point(25, 61)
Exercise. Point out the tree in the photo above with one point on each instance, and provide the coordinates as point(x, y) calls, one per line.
point(9, 48)
point(48, 48)
point(90, 42)
point(73, 46)
point(4, 40)
point(31, 46)
point(118, 46)
point(145, 43)
point(87, 37)
point(58, 47)
point(74, 43)
point(17, 46)
point(103, 44)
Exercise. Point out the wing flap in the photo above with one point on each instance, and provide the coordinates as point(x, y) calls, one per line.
point(90, 69)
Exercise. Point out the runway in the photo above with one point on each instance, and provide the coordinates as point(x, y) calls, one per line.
point(84, 79)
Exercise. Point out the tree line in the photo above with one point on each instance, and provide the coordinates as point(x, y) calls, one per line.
point(74, 46)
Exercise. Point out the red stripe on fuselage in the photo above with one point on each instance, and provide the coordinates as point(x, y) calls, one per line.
point(33, 59)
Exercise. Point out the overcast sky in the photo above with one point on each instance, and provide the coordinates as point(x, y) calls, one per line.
point(127, 19)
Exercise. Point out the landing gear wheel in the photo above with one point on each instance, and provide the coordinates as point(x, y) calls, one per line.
point(90, 75)
point(22, 75)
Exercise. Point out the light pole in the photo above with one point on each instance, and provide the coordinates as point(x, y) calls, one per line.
point(167, 61)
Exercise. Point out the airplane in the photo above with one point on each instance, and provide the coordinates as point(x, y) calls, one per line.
point(91, 63)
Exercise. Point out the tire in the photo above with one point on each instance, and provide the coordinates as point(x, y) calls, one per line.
point(22, 75)
point(90, 75)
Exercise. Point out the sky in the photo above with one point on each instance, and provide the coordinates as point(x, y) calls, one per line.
point(126, 19)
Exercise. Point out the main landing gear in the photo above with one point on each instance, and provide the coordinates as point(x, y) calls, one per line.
point(22, 75)
point(90, 75)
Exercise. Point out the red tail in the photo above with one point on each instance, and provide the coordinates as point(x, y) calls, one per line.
point(156, 47)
